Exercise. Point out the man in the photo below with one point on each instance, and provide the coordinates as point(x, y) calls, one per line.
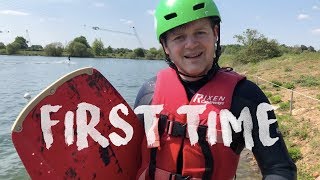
point(189, 32)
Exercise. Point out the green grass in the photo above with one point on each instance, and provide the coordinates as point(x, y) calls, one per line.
point(308, 81)
point(287, 69)
point(289, 85)
point(275, 99)
point(295, 153)
point(268, 94)
point(284, 105)
point(276, 83)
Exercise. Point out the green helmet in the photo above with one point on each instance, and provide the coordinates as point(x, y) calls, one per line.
point(172, 13)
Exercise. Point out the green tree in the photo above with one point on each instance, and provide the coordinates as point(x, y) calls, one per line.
point(122, 50)
point(249, 37)
point(151, 53)
point(139, 52)
point(54, 49)
point(36, 48)
point(109, 49)
point(161, 54)
point(256, 47)
point(231, 49)
point(154, 53)
point(97, 47)
point(304, 48)
point(12, 48)
point(79, 47)
point(22, 42)
point(2, 46)
point(82, 40)
point(311, 49)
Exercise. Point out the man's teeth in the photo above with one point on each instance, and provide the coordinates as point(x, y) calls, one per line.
point(193, 56)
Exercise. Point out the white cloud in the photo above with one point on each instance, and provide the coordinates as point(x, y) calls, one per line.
point(52, 19)
point(316, 31)
point(303, 17)
point(60, 1)
point(151, 11)
point(14, 13)
point(126, 21)
point(315, 7)
point(98, 4)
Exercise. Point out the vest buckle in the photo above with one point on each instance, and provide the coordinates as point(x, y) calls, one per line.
point(176, 129)
point(178, 177)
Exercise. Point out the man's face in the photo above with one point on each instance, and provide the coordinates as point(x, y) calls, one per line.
point(191, 47)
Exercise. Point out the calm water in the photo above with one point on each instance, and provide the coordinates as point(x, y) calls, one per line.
point(19, 74)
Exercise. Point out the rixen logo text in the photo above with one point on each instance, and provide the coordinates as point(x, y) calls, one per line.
point(207, 99)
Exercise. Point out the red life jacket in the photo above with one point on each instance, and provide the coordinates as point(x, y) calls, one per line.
point(222, 162)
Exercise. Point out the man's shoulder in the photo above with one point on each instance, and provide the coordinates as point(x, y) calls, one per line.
point(146, 92)
point(248, 90)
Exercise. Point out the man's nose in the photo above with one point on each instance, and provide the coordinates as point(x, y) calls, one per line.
point(191, 42)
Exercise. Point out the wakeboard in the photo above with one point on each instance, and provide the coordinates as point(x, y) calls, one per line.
point(79, 127)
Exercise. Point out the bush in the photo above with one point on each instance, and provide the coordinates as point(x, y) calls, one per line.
point(268, 94)
point(3, 51)
point(289, 85)
point(263, 87)
point(256, 47)
point(318, 96)
point(231, 49)
point(54, 49)
point(13, 48)
point(79, 47)
point(287, 69)
point(2, 46)
point(284, 105)
point(276, 83)
point(295, 153)
point(308, 81)
point(275, 99)
point(302, 133)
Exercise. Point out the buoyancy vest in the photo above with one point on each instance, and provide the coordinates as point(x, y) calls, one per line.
point(199, 161)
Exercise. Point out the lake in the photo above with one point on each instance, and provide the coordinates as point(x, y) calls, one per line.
point(31, 74)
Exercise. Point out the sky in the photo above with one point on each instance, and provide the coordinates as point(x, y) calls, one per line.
point(290, 22)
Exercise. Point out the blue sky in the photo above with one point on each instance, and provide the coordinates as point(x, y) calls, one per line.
point(291, 22)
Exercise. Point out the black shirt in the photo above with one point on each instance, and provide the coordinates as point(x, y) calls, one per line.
point(274, 161)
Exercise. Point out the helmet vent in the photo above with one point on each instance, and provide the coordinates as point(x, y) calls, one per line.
point(170, 16)
point(198, 6)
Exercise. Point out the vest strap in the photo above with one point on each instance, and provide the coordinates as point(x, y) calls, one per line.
point(177, 129)
point(161, 174)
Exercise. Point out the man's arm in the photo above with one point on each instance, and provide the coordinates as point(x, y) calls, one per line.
point(274, 161)
point(145, 95)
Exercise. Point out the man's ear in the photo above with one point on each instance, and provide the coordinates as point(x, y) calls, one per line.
point(164, 45)
point(215, 31)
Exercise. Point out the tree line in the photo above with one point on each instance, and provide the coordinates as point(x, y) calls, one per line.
point(79, 47)
point(252, 47)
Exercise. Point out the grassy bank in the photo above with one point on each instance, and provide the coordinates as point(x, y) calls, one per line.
point(295, 77)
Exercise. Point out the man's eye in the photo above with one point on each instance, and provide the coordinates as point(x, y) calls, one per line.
point(178, 38)
point(201, 32)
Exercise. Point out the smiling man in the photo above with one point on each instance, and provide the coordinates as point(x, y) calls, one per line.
point(189, 32)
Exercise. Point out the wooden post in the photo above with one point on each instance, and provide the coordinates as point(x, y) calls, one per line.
point(291, 102)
